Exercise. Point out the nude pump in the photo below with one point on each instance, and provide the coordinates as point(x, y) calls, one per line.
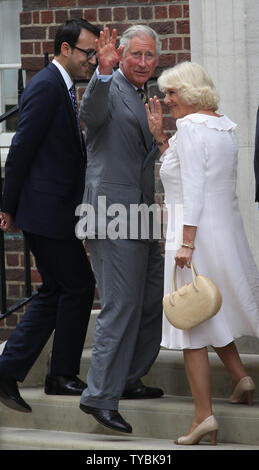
point(208, 426)
point(243, 391)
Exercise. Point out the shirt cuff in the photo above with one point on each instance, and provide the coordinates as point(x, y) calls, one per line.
point(103, 78)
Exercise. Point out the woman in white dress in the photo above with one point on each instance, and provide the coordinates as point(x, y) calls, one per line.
point(199, 169)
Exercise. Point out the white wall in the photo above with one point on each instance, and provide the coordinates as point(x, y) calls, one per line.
point(225, 40)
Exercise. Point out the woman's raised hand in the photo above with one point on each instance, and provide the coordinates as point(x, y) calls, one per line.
point(108, 54)
point(155, 117)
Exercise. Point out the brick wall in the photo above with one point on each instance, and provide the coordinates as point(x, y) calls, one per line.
point(39, 21)
point(14, 260)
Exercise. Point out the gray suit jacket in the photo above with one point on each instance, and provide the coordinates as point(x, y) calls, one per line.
point(120, 154)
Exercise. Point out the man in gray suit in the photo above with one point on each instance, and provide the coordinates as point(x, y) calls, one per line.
point(129, 267)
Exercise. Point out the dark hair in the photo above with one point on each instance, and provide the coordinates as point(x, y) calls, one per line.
point(70, 32)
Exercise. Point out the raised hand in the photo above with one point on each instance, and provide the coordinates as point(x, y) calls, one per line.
point(155, 118)
point(108, 55)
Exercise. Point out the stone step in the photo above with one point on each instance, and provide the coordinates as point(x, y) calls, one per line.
point(168, 370)
point(168, 373)
point(37, 439)
point(165, 418)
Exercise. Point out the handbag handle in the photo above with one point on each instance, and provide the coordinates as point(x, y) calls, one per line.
point(173, 283)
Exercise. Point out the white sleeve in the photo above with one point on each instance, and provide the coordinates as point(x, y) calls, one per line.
point(103, 78)
point(192, 158)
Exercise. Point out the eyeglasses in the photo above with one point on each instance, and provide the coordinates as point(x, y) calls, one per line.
point(89, 52)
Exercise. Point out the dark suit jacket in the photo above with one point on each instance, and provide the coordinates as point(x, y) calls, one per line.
point(45, 167)
point(256, 158)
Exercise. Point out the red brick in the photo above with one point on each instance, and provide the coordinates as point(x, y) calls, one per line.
point(187, 43)
point(32, 63)
point(12, 259)
point(15, 274)
point(37, 48)
point(167, 60)
point(133, 13)
point(175, 11)
point(164, 44)
point(183, 27)
point(105, 14)
point(90, 15)
point(34, 4)
point(175, 44)
point(48, 46)
point(61, 16)
point(161, 13)
point(86, 3)
point(76, 13)
point(62, 3)
point(25, 17)
point(186, 12)
point(52, 31)
point(167, 27)
point(36, 17)
point(26, 47)
point(11, 320)
point(147, 13)
point(121, 27)
point(34, 32)
point(47, 17)
point(13, 290)
point(119, 14)
point(183, 56)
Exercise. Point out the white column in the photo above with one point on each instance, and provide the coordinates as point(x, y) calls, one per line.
point(225, 40)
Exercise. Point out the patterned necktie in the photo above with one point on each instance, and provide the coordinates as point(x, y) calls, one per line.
point(74, 103)
point(143, 95)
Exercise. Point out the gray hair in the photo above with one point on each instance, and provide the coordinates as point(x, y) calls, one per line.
point(139, 30)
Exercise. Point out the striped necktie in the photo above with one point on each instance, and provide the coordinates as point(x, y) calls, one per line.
point(74, 103)
point(143, 95)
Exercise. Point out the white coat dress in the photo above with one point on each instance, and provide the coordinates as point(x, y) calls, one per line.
point(199, 174)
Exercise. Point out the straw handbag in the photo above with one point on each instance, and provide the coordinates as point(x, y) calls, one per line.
point(193, 303)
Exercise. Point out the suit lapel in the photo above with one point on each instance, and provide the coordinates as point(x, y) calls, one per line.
point(71, 112)
point(132, 100)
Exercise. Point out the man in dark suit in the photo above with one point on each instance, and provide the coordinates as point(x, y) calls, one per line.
point(44, 183)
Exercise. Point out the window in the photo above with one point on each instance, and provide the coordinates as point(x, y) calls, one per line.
point(10, 59)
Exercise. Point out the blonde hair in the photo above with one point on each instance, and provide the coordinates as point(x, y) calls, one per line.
point(192, 83)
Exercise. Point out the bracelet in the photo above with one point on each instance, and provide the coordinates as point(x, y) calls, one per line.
point(162, 142)
point(188, 245)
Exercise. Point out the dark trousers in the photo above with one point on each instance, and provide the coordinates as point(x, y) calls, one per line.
point(64, 304)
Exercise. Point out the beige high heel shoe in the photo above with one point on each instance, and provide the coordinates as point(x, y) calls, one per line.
point(208, 426)
point(243, 391)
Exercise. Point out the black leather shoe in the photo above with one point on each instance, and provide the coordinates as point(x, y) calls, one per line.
point(60, 385)
point(10, 396)
point(109, 418)
point(142, 392)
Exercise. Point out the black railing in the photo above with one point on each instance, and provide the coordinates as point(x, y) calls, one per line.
point(4, 310)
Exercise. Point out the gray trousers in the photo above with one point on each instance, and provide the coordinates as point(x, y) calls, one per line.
point(129, 276)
